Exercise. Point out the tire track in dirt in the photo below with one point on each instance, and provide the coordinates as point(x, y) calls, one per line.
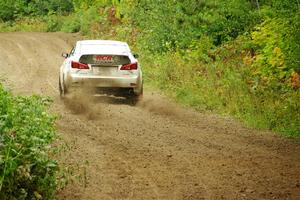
point(156, 150)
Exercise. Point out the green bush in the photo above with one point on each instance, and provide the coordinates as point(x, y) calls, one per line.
point(168, 25)
point(71, 25)
point(13, 9)
point(81, 21)
point(6, 10)
point(54, 22)
point(277, 48)
point(27, 170)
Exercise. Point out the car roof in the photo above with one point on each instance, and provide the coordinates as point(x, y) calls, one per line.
point(103, 47)
point(102, 42)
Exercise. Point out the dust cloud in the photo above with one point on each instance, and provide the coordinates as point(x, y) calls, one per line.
point(159, 105)
point(82, 102)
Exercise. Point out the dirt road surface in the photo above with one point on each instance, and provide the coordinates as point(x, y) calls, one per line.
point(155, 150)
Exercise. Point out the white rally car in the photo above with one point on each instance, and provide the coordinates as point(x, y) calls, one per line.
point(105, 64)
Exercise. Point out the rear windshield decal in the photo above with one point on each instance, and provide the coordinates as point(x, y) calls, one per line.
point(105, 59)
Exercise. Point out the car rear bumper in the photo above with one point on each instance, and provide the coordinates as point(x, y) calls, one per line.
point(103, 81)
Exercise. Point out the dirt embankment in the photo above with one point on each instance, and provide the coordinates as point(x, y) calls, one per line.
point(155, 150)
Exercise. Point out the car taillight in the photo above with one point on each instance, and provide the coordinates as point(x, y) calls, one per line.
point(78, 65)
point(131, 66)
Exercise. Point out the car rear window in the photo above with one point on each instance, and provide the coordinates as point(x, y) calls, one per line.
point(104, 59)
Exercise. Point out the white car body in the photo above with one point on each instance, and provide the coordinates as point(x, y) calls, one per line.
point(107, 64)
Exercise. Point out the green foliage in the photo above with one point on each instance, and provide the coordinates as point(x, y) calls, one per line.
point(169, 25)
point(277, 46)
point(234, 18)
point(85, 4)
point(270, 61)
point(26, 132)
point(224, 83)
point(54, 23)
point(6, 10)
point(13, 9)
point(81, 21)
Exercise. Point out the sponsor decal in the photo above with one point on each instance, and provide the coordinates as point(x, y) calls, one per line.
point(103, 58)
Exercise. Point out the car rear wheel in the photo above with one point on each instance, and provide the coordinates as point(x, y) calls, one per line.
point(137, 97)
point(62, 88)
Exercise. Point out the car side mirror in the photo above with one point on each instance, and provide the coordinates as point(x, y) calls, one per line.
point(65, 55)
point(136, 55)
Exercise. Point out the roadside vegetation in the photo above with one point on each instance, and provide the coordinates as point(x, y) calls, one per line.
point(28, 169)
point(234, 57)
